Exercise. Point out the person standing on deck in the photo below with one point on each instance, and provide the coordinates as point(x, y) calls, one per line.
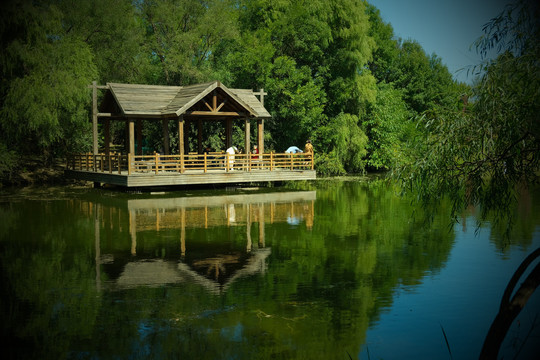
point(230, 156)
point(309, 148)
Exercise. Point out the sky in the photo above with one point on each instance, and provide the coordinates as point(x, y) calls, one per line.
point(444, 27)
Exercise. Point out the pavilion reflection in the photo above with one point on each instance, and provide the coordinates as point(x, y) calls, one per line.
point(212, 267)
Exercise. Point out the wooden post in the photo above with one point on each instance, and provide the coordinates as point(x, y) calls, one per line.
point(94, 118)
point(181, 141)
point(261, 94)
point(165, 128)
point(247, 132)
point(260, 123)
point(260, 135)
point(205, 162)
point(291, 161)
point(131, 132)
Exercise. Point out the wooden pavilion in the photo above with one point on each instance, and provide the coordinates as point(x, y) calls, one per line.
point(183, 104)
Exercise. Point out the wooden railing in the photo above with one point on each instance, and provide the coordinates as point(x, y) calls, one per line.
point(122, 163)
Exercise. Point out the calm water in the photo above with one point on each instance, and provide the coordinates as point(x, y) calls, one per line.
point(331, 270)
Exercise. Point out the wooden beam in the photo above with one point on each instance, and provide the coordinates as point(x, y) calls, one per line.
point(261, 94)
point(221, 105)
point(212, 113)
point(101, 87)
point(109, 115)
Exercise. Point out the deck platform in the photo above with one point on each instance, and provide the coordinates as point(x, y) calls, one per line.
point(154, 171)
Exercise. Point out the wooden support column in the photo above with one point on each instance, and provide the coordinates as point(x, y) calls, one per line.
point(260, 123)
point(131, 136)
point(228, 133)
point(181, 141)
point(199, 135)
point(247, 135)
point(139, 137)
point(94, 118)
point(165, 128)
point(181, 135)
point(260, 135)
point(107, 136)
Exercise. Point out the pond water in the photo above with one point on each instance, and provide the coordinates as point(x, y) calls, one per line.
point(331, 269)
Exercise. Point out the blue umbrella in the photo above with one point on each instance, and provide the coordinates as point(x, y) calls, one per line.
point(293, 150)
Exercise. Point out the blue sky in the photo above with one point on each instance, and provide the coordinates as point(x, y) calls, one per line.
point(446, 28)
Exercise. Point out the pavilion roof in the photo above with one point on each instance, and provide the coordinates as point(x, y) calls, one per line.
point(169, 101)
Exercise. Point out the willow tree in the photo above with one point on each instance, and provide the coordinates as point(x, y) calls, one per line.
point(46, 69)
point(489, 151)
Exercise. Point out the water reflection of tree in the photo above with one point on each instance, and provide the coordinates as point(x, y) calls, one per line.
point(321, 290)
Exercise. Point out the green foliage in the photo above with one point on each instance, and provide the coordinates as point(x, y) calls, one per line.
point(47, 74)
point(8, 161)
point(490, 153)
point(389, 127)
point(332, 70)
point(297, 103)
point(348, 142)
point(329, 164)
point(181, 36)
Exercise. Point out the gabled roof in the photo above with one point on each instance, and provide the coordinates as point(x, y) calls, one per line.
point(167, 101)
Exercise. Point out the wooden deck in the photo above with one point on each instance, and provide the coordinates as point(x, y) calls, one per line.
point(168, 170)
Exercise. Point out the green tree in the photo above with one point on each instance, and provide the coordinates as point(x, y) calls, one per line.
point(45, 73)
point(388, 126)
point(297, 103)
point(181, 36)
point(346, 142)
point(489, 153)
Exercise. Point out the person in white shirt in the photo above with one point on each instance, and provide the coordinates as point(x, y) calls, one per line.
point(230, 154)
